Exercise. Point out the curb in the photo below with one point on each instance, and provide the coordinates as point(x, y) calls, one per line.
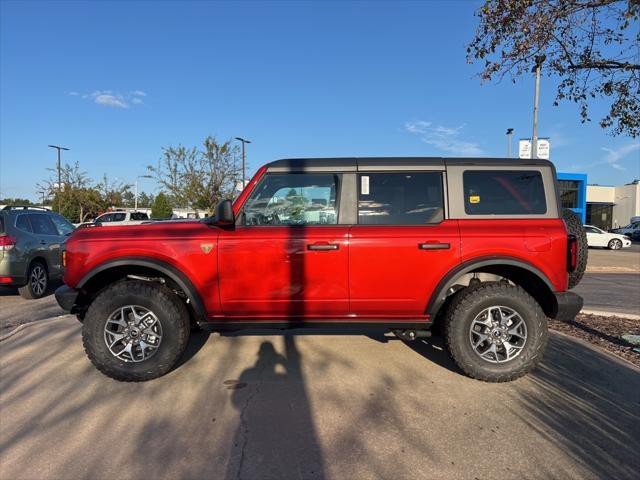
point(602, 313)
point(595, 348)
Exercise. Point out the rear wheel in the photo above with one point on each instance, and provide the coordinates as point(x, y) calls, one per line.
point(615, 244)
point(37, 281)
point(135, 331)
point(496, 332)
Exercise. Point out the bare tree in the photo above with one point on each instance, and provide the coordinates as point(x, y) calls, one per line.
point(198, 178)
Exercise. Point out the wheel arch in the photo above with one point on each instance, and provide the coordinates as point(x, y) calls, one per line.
point(532, 279)
point(113, 270)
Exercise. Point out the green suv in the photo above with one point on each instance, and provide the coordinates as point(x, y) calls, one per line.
point(31, 240)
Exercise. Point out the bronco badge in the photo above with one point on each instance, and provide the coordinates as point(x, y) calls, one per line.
point(206, 247)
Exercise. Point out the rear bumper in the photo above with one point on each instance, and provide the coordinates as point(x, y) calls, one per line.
point(66, 297)
point(568, 305)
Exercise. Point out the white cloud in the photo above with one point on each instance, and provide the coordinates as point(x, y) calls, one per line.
point(109, 98)
point(446, 139)
point(110, 101)
point(614, 155)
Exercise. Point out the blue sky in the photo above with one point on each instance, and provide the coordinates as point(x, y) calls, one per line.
point(117, 81)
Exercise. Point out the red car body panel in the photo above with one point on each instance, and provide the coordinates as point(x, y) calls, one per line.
point(258, 273)
point(269, 272)
point(390, 275)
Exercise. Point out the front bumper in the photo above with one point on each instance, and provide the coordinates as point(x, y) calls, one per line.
point(568, 305)
point(66, 297)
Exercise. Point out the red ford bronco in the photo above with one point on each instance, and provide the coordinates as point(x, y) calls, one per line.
point(480, 245)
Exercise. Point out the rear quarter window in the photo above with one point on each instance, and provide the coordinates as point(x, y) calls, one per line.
point(503, 192)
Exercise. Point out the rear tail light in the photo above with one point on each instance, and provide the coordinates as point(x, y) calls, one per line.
point(572, 253)
point(6, 279)
point(6, 243)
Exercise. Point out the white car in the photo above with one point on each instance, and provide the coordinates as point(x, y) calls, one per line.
point(600, 238)
point(119, 218)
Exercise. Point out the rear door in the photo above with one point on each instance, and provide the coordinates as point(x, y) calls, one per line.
point(287, 257)
point(402, 245)
point(48, 240)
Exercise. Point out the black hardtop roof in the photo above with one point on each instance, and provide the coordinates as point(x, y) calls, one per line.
point(392, 163)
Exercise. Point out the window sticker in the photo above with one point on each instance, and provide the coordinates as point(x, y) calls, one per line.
point(364, 185)
point(474, 199)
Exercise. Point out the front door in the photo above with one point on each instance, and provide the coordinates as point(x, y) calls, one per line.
point(287, 257)
point(402, 245)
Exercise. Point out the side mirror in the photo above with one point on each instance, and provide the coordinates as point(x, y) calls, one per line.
point(223, 214)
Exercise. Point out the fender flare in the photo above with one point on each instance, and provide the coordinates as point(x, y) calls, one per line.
point(440, 292)
point(165, 268)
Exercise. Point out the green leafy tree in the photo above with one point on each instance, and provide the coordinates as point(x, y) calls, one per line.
point(591, 46)
point(112, 192)
point(161, 207)
point(145, 200)
point(16, 201)
point(76, 196)
point(199, 177)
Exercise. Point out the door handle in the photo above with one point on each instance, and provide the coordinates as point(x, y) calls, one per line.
point(434, 246)
point(323, 246)
point(42, 242)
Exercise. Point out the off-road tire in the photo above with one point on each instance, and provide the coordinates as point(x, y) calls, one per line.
point(575, 227)
point(468, 305)
point(169, 310)
point(27, 291)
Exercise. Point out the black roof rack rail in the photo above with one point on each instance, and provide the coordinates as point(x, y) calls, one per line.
point(24, 207)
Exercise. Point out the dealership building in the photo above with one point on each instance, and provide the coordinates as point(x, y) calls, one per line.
point(605, 207)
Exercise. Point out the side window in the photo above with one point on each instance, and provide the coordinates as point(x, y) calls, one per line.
point(107, 217)
point(503, 192)
point(139, 216)
point(42, 225)
point(118, 217)
point(22, 223)
point(408, 198)
point(591, 230)
point(293, 199)
point(63, 225)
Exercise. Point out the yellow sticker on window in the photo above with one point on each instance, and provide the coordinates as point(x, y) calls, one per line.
point(474, 199)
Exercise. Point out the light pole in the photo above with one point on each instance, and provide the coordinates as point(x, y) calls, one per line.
point(534, 138)
point(135, 208)
point(509, 135)
point(42, 192)
point(240, 139)
point(59, 176)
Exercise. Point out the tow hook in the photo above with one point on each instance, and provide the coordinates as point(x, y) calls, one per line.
point(411, 335)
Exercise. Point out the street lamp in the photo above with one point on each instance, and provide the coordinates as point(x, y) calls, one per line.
point(240, 139)
point(509, 135)
point(135, 208)
point(537, 67)
point(57, 147)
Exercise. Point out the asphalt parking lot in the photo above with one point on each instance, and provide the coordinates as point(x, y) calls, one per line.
point(254, 406)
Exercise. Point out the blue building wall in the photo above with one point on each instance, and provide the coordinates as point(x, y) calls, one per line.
point(581, 178)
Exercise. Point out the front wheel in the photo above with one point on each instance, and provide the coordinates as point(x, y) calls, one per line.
point(135, 331)
point(496, 332)
point(615, 244)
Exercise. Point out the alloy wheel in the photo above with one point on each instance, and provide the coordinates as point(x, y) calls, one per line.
point(498, 334)
point(38, 280)
point(133, 333)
